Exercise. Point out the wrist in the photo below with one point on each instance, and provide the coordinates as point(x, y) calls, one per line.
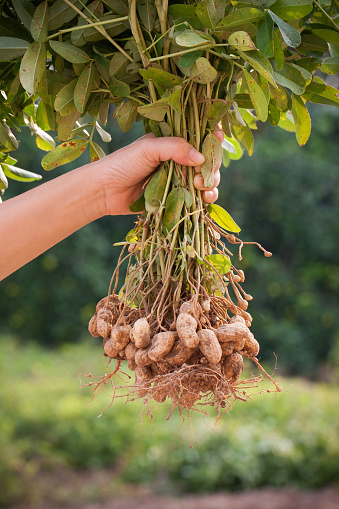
point(92, 191)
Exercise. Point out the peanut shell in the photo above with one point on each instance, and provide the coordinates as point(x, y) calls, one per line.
point(161, 345)
point(141, 333)
point(179, 354)
point(130, 350)
point(92, 327)
point(141, 357)
point(120, 334)
point(186, 329)
point(232, 366)
point(209, 346)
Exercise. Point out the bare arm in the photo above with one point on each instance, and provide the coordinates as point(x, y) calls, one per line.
point(40, 218)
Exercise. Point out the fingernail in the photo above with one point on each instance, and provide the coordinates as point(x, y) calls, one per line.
point(195, 156)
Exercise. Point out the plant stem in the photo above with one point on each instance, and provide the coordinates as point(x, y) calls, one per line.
point(83, 27)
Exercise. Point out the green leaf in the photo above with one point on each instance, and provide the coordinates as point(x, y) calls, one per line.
point(25, 11)
point(15, 173)
point(119, 6)
point(329, 66)
point(155, 188)
point(264, 38)
point(290, 77)
point(95, 152)
point(119, 88)
point(290, 35)
point(7, 139)
point(174, 204)
point(212, 150)
point(64, 101)
point(138, 205)
point(202, 71)
point(148, 13)
point(292, 9)
point(69, 52)
point(11, 48)
point(329, 34)
point(312, 43)
point(118, 64)
point(257, 97)
point(12, 28)
point(311, 64)
point(190, 38)
point(320, 93)
point(286, 122)
point(240, 17)
point(84, 87)
point(66, 124)
point(210, 12)
point(241, 41)
point(260, 67)
point(43, 140)
point(64, 153)
point(244, 135)
point(61, 13)
point(174, 100)
point(222, 218)
point(39, 23)
point(3, 181)
point(280, 98)
point(216, 112)
point(237, 152)
point(33, 66)
point(155, 111)
point(160, 77)
point(188, 198)
point(127, 114)
point(221, 263)
point(188, 59)
point(273, 114)
point(302, 119)
point(278, 51)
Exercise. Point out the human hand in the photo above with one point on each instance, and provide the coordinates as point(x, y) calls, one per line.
point(124, 172)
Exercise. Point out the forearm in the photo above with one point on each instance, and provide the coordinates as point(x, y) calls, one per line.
point(40, 218)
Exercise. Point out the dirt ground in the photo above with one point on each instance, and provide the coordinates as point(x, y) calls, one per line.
point(267, 498)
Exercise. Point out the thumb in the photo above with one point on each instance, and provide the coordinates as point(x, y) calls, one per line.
point(163, 149)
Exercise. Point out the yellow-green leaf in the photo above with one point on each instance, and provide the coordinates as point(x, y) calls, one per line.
point(64, 153)
point(241, 41)
point(126, 115)
point(15, 173)
point(39, 23)
point(84, 87)
point(223, 219)
point(32, 68)
point(212, 150)
point(302, 119)
point(221, 263)
point(257, 97)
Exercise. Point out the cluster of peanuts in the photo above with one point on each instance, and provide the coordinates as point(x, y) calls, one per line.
point(149, 355)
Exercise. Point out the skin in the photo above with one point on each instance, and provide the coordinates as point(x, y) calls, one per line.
point(40, 218)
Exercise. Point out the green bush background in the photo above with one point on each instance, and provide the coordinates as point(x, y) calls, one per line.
point(284, 197)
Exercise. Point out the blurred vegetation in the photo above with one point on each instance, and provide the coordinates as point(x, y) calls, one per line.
point(46, 429)
point(284, 197)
